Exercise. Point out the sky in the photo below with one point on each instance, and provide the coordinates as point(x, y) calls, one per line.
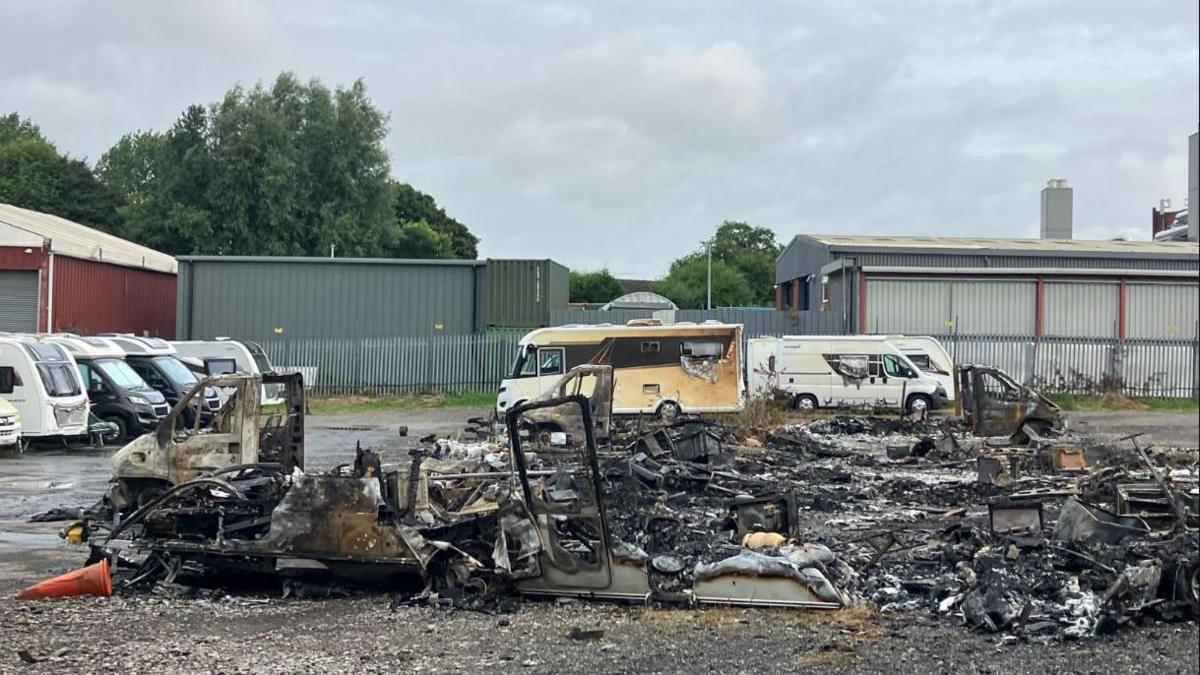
point(620, 134)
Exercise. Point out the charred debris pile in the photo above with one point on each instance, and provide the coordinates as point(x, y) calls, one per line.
point(1043, 534)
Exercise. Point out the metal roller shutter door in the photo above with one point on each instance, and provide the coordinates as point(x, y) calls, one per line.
point(18, 301)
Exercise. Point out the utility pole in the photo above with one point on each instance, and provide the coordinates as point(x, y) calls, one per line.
point(708, 244)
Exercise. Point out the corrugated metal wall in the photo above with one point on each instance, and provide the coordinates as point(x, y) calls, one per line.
point(907, 306)
point(319, 298)
point(96, 297)
point(1081, 308)
point(525, 292)
point(1161, 310)
point(928, 306)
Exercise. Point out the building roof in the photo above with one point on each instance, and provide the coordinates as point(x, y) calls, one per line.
point(635, 285)
point(22, 227)
point(441, 262)
point(982, 245)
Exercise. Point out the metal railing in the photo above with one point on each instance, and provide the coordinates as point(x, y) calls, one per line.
point(398, 365)
point(1076, 365)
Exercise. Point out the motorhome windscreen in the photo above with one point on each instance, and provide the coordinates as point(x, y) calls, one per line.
point(120, 373)
point(524, 365)
point(175, 371)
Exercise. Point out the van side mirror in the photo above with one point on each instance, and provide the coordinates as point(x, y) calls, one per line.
point(8, 379)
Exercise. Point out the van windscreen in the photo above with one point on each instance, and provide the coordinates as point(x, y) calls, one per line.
point(175, 371)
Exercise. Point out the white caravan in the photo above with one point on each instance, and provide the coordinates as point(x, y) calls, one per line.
point(223, 356)
point(840, 371)
point(45, 388)
point(930, 356)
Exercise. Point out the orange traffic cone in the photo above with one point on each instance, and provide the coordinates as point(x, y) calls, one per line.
point(91, 580)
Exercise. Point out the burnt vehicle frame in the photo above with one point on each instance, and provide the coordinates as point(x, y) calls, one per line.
point(994, 404)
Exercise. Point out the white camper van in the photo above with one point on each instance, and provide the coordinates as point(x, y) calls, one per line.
point(660, 370)
point(223, 356)
point(930, 356)
point(45, 388)
point(835, 371)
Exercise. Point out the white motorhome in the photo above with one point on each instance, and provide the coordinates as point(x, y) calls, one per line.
point(661, 370)
point(223, 356)
point(930, 356)
point(116, 392)
point(45, 388)
point(840, 371)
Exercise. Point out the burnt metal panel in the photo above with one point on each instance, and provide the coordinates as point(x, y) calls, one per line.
point(305, 298)
point(1162, 310)
point(1081, 308)
point(523, 293)
point(98, 297)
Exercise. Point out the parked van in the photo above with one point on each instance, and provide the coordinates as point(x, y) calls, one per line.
point(223, 356)
point(118, 395)
point(10, 419)
point(156, 362)
point(45, 388)
point(930, 356)
point(829, 371)
point(661, 370)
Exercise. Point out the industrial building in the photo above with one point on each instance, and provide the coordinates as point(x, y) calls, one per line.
point(1003, 287)
point(57, 275)
point(282, 298)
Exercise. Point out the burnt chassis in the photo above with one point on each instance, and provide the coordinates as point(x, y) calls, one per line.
point(547, 535)
point(1005, 407)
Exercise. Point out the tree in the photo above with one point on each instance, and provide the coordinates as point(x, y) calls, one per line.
point(686, 283)
point(599, 286)
point(293, 169)
point(412, 205)
point(752, 251)
point(34, 175)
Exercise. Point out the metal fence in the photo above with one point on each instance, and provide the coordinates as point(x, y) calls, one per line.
point(1073, 365)
point(1138, 367)
point(398, 365)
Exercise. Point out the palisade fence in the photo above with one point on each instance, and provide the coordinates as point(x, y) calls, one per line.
point(402, 365)
point(1137, 367)
point(1075, 365)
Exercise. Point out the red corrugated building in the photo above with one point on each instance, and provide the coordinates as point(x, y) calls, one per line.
point(60, 276)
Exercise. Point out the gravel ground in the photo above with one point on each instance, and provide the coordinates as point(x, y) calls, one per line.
point(165, 633)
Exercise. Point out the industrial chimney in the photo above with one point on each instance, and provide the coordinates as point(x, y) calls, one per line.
point(1057, 204)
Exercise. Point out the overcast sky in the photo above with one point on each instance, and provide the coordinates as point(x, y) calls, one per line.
point(619, 134)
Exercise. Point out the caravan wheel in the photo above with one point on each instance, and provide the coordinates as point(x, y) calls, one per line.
point(668, 411)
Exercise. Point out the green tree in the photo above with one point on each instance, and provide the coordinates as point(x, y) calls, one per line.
point(35, 175)
point(686, 283)
point(412, 205)
point(293, 169)
point(598, 286)
point(752, 251)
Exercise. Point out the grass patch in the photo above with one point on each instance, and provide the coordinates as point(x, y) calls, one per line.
point(1121, 402)
point(426, 401)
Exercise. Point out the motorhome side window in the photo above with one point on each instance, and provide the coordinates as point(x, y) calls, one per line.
point(9, 379)
point(551, 361)
point(91, 378)
point(702, 349)
point(894, 367)
point(650, 346)
point(220, 366)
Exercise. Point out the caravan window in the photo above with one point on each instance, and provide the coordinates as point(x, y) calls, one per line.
point(59, 379)
point(43, 351)
point(710, 349)
point(921, 361)
point(220, 366)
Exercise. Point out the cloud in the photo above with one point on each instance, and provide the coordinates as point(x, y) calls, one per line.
point(621, 133)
